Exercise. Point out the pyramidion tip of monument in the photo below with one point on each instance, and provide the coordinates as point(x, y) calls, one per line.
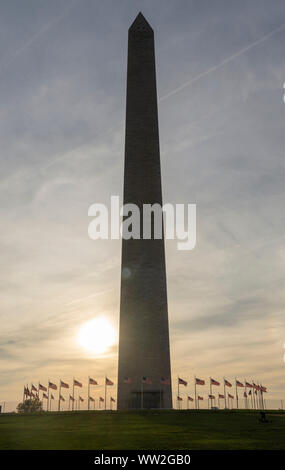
point(140, 24)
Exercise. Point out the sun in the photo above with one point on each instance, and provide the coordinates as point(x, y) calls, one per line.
point(97, 335)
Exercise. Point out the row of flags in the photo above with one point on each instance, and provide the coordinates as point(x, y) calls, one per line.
point(31, 394)
point(246, 384)
point(62, 384)
point(253, 392)
point(255, 389)
point(34, 392)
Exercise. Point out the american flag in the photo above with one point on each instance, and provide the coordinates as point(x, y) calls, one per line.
point(239, 384)
point(34, 388)
point(263, 389)
point(249, 392)
point(92, 381)
point(221, 396)
point(247, 384)
point(179, 398)
point(182, 382)
point(164, 381)
point(146, 381)
point(53, 386)
point(113, 400)
point(91, 399)
point(189, 398)
point(109, 382)
point(77, 384)
point(81, 399)
point(63, 384)
point(45, 395)
point(227, 383)
point(101, 399)
point(200, 398)
point(71, 398)
point(200, 381)
point(212, 397)
point(61, 398)
point(214, 382)
point(41, 387)
point(230, 396)
point(127, 380)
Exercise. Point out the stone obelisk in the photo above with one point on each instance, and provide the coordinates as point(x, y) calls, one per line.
point(144, 375)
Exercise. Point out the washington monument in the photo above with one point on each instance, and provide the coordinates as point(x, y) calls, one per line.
point(144, 376)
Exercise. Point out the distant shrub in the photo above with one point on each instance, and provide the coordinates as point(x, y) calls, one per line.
point(32, 405)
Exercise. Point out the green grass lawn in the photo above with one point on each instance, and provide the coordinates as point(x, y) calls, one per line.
point(159, 430)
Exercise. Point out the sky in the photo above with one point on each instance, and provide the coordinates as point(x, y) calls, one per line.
point(220, 75)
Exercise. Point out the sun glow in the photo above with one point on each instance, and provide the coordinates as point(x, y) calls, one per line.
point(97, 335)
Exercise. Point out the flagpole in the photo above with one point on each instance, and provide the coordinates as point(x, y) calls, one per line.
point(261, 397)
point(48, 395)
point(225, 394)
point(72, 406)
point(236, 392)
point(105, 392)
point(253, 396)
point(59, 392)
point(24, 394)
point(88, 392)
point(211, 393)
point(195, 392)
point(250, 401)
point(178, 401)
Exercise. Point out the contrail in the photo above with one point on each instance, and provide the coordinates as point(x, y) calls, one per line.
point(96, 294)
point(32, 39)
point(224, 62)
